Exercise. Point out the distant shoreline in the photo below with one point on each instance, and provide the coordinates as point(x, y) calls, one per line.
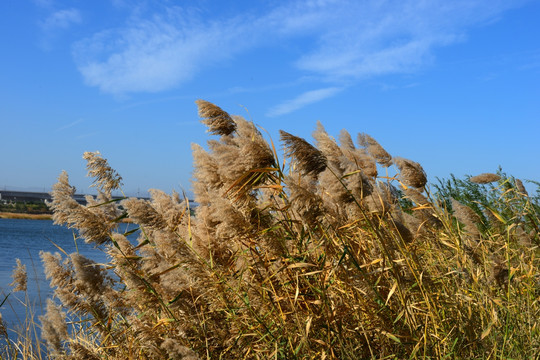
point(9, 215)
point(24, 216)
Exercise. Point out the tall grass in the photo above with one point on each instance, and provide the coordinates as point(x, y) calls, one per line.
point(337, 251)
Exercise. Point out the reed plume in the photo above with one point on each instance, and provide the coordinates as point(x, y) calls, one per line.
point(309, 160)
point(411, 173)
point(106, 179)
point(327, 146)
point(345, 141)
point(520, 187)
point(359, 157)
point(20, 277)
point(467, 217)
point(54, 328)
point(243, 155)
point(93, 224)
point(424, 208)
point(304, 200)
point(366, 163)
point(485, 178)
point(375, 149)
point(63, 205)
point(219, 122)
point(79, 351)
point(143, 213)
point(177, 351)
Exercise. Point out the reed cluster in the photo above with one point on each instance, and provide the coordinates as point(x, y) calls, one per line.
point(339, 251)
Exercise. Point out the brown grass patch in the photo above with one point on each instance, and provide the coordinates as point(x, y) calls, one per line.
point(9, 215)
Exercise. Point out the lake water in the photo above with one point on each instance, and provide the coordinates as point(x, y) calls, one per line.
point(24, 239)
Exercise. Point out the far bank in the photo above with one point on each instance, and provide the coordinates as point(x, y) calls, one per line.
point(10, 215)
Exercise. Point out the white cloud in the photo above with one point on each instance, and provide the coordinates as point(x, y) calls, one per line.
point(358, 39)
point(155, 54)
point(62, 19)
point(340, 40)
point(302, 100)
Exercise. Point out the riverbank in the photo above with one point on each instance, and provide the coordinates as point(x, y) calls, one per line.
point(9, 215)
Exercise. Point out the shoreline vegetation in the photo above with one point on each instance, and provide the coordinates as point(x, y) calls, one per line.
point(26, 216)
point(336, 250)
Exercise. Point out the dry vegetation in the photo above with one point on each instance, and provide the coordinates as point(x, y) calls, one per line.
point(315, 257)
point(10, 215)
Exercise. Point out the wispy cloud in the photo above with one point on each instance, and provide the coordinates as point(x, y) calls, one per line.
point(61, 19)
point(339, 40)
point(71, 124)
point(56, 23)
point(304, 99)
point(156, 54)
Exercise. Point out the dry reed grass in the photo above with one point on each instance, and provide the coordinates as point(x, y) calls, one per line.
point(318, 260)
point(8, 215)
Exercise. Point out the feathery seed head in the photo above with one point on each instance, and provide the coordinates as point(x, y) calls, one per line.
point(219, 122)
point(366, 163)
point(485, 178)
point(92, 224)
point(521, 188)
point(309, 159)
point(467, 217)
point(304, 199)
point(345, 141)
point(62, 202)
point(54, 327)
point(143, 213)
point(255, 153)
point(88, 273)
point(79, 351)
point(416, 196)
point(206, 167)
point(411, 173)
point(326, 144)
point(106, 179)
point(375, 149)
point(175, 350)
point(20, 277)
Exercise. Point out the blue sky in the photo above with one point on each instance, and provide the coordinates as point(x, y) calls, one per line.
point(453, 85)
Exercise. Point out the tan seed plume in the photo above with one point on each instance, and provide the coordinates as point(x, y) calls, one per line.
point(345, 141)
point(106, 179)
point(411, 173)
point(521, 187)
point(467, 217)
point(54, 328)
point(309, 159)
point(219, 122)
point(485, 178)
point(375, 149)
point(20, 277)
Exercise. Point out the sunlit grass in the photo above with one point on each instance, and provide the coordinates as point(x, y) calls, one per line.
point(341, 251)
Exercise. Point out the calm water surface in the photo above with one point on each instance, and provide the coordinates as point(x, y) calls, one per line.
point(24, 239)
